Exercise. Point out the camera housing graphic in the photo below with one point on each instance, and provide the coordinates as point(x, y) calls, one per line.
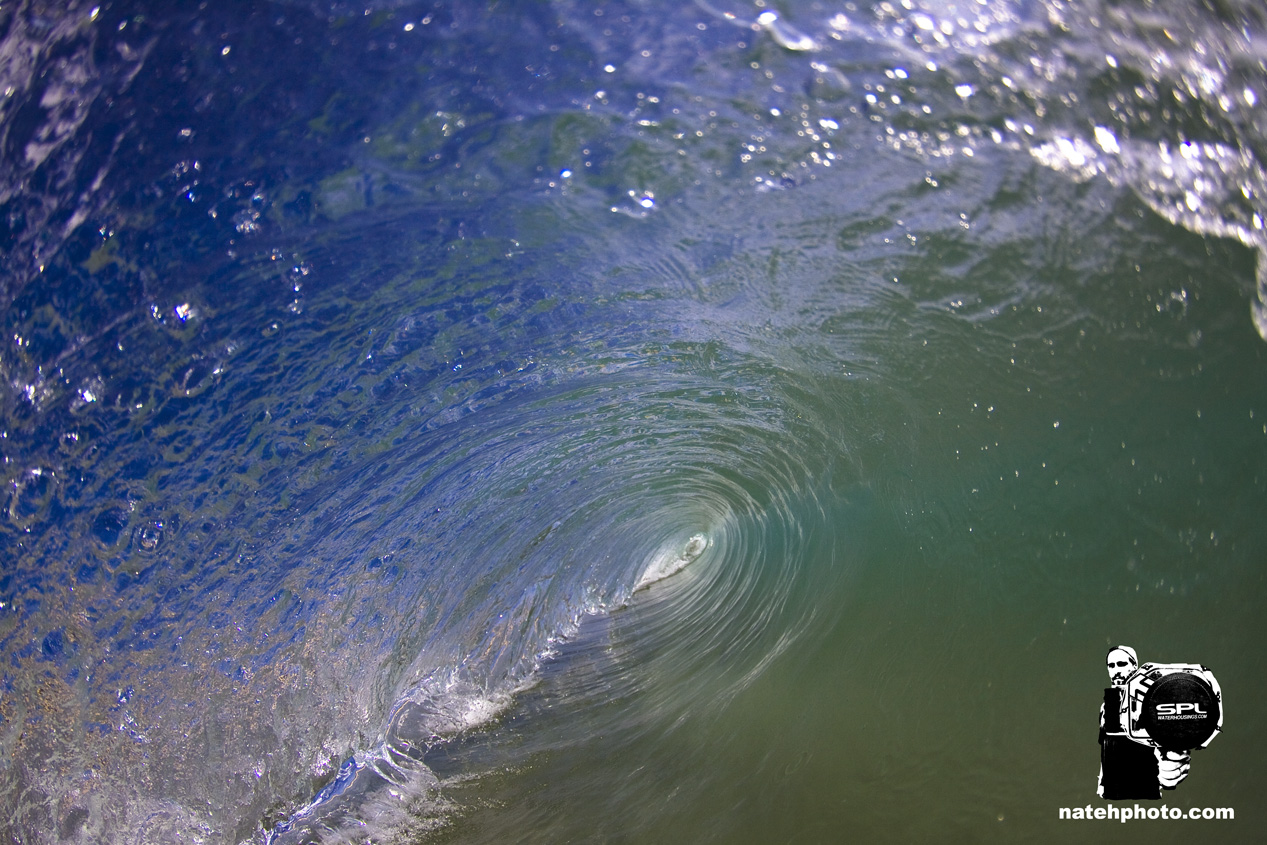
point(1171, 706)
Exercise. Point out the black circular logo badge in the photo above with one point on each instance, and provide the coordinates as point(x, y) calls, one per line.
point(1180, 712)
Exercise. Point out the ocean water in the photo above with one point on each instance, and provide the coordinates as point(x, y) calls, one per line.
point(623, 422)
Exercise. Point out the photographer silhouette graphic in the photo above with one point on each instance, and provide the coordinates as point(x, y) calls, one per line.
point(1152, 717)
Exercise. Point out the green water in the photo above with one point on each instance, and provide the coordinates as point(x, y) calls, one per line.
point(1001, 498)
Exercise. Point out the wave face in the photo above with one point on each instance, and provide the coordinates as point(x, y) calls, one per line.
point(644, 421)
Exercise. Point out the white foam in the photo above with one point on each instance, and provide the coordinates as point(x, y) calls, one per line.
point(673, 560)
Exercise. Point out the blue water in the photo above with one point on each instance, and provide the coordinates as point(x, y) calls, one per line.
point(630, 422)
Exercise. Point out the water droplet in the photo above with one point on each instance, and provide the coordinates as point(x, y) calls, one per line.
point(149, 536)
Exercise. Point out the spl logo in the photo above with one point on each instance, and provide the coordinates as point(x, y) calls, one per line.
point(1153, 717)
point(1180, 706)
point(1181, 710)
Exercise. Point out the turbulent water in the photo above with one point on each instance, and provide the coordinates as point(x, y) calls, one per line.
point(626, 421)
